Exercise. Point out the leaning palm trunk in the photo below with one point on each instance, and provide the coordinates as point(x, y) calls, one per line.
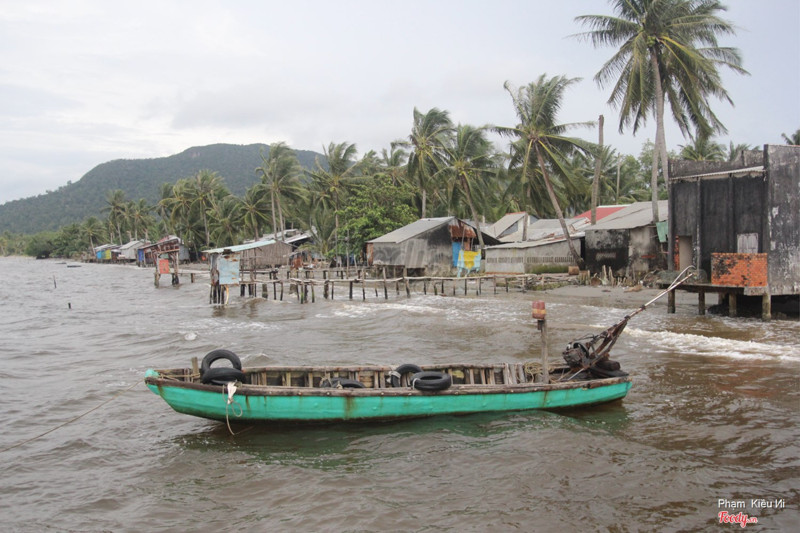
point(559, 213)
point(659, 136)
point(274, 226)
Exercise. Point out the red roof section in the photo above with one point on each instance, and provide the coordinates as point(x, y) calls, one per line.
point(602, 211)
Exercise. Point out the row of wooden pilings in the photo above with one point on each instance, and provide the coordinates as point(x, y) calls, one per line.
point(304, 284)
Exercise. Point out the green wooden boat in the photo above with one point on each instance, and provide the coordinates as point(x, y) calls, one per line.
point(344, 393)
point(353, 393)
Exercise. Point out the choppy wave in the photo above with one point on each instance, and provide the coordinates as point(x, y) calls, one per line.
point(710, 346)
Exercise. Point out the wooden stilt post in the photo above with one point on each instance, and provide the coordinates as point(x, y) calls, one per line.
point(540, 314)
point(671, 302)
point(701, 302)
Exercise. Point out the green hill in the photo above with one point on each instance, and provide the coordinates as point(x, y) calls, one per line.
point(138, 178)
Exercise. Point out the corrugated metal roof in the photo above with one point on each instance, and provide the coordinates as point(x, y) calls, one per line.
point(412, 230)
point(736, 173)
point(508, 220)
point(546, 227)
point(539, 242)
point(635, 215)
point(240, 247)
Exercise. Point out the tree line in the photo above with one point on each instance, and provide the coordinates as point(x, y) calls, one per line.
point(667, 57)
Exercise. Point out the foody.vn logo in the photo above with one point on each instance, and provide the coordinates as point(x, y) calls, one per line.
point(738, 518)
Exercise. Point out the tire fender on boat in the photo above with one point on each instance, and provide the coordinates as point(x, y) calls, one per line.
point(398, 372)
point(220, 375)
point(341, 383)
point(431, 380)
point(216, 355)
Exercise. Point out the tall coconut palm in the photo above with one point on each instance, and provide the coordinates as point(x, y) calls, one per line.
point(279, 175)
point(429, 135)
point(668, 50)
point(93, 230)
point(181, 206)
point(394, 161)
point(330, 185)
point(164, 205)
point(208, 188)
point(115, 208)
point(225, 220)
point(468, 160)
point(540, 144)
point(254, 209)
point(139, 217)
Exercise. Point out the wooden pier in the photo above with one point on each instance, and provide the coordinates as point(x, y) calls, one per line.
point(360, 283)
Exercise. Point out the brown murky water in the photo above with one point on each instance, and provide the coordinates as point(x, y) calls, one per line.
point(713, 415)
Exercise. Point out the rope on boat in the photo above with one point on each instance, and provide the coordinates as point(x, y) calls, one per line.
point(231, 403)
point(70, 420)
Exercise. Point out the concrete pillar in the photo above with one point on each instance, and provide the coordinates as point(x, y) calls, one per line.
point(766, 307)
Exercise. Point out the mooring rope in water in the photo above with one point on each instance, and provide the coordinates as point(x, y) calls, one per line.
point(95, 408)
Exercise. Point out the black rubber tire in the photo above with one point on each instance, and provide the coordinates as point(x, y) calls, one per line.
point(407, 368)
point(602, 373)
point(608, 364)
point(430, 380)
point(344, 383)
point(216, 355)
point(221, 375)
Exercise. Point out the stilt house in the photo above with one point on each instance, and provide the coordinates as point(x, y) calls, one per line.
point(739, 223)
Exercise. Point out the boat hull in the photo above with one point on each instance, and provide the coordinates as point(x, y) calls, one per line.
point(284, 404)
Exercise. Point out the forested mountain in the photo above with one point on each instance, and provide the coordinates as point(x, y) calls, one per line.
point(137, 178)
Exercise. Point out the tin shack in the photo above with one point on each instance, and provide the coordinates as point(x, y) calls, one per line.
point(427, 247)
point(739, 223)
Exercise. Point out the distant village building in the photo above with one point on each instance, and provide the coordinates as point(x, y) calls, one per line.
point(429, 246)
point(739, 223)
point(627, 241)
point(511, 224)
point(540, 246)
point(130, 250)
point(254, 255)
point(545, 248)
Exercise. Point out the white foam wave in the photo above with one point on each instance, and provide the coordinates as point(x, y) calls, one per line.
point(717, 346)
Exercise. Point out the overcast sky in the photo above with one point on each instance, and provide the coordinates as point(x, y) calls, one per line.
point(85, 82)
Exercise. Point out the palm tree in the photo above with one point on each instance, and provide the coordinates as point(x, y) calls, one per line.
point(734, 150)
point(164, 205)
point(92, 229)
point(207, 189)
point(793, 140)
point(468, 158)
point(279, 176)
point(254, 208)
point(429, 135)
point(540, 143)
point(330, 185)
point(115, 208)
point(180, 206)
point(702, 149)
point(224, 221)
point(394, 161)
point(667, 50)
point(139, 217)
